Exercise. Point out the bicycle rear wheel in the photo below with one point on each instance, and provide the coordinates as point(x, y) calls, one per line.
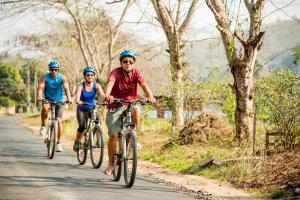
point(130, 159)
point(118, 159)
point(82, 152)
point(51, 142)
point(97, 147)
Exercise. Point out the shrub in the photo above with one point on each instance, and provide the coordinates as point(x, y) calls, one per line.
point(7, 102)
point(278, 97)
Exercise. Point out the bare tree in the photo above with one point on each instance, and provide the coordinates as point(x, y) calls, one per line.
point(114, 32)
point(92, 26)
point(241, 59)
point(175, 23)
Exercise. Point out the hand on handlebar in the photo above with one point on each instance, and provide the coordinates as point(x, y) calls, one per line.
point(70, 101)
point(109, 99)
point(39, 98)
point(82, 103)
point(151, 100)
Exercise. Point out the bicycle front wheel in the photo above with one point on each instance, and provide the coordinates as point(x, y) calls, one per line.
point(96, 147)
point(130, 159)
point(82, 152)
point(51, 142)
point(118, 159)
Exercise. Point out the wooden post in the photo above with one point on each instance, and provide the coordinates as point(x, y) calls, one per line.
point(254, 132)
point(35, 90)
point(28, 90)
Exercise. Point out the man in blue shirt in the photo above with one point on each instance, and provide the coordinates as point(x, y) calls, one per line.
point(53, 85)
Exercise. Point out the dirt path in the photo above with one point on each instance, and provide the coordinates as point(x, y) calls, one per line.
point(197, 186)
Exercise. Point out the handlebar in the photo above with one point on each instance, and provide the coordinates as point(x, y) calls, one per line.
point(54, 102)
point(141, 101)
point(95, 104)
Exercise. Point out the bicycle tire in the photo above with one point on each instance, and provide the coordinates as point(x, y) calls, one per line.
point(82, 152)
point(118, 160)
point(130, 159)
point(97, 148)
point(52, 141)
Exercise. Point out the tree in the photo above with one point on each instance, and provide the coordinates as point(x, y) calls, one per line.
point(174, 25)
point(11, 83)
point(241, 59)
point(93, 30)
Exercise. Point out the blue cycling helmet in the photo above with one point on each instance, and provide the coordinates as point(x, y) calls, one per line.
point(127, 53)
point(89, 69)
point(53, 64)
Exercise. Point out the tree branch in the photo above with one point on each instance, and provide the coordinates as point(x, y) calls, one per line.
point(188, 18)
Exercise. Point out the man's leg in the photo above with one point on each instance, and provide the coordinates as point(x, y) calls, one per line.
point(60, 130)
point(113, 124)
point(111, 147)
point(44, 115)
point(59, 113)
point(135, 114)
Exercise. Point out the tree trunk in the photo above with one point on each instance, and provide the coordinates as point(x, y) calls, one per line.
point(243, 88)
point(177, 108)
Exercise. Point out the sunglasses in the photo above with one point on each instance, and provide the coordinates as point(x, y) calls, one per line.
point(89, 75)
point(54, 70)
point(127, 62)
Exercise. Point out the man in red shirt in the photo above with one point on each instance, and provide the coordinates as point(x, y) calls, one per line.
point(122, 84)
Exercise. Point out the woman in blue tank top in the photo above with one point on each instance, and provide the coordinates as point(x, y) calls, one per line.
point(86, 92)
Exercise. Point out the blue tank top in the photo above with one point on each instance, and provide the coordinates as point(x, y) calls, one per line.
point(53, 87)
point(87, 97)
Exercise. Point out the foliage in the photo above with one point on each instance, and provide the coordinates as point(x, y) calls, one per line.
point(11, 83)
point(296, 56)
point(33, 67)
point(278, 97)
point(6, 102)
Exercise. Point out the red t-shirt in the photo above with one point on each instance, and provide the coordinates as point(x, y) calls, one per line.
point(125, 86)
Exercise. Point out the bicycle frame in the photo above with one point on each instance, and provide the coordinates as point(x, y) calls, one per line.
point(127, 145)
point(52, 129)
point(92, 126)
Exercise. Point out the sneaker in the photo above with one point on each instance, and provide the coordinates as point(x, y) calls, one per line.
point(42, 130)
point(76, 145)
point(59, 147)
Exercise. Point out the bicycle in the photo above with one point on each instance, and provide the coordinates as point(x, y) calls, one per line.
point(92, 139)
point(52, 127)
point(126, 151)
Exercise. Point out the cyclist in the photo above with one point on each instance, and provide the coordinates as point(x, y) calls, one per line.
point(86, 92)
point(122, 83)
point(53, 85)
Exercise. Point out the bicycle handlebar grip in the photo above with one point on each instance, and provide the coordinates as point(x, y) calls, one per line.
point(144, 102)
point(118, 100)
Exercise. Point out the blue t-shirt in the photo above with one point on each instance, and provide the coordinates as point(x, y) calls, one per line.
point(88, 97)
point(54, 90)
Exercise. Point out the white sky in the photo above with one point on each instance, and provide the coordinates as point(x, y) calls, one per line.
point(203, 24)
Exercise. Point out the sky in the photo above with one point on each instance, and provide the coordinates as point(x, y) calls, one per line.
point(202, 26)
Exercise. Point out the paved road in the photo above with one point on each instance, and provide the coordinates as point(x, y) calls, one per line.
point(26, 173)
